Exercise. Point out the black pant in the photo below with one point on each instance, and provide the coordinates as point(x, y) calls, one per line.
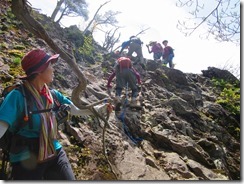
point(58, 168)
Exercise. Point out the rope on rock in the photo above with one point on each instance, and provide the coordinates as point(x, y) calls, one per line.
point(122, 119)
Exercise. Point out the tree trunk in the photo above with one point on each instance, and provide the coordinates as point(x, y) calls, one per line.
point(56, 10)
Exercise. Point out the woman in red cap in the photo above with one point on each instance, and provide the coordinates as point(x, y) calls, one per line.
point(37, 154)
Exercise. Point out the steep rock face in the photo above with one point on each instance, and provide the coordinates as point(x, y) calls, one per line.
point(172, 136)
point(178, 133)
point(171, 121)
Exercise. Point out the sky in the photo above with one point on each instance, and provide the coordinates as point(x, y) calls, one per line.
point(192, 54)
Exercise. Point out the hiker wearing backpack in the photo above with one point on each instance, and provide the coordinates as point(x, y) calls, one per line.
point(35, 151)
point(156, 49)
point(134, 44)
point(111, 77)
point(124, 45)
point(125, 74)
point(168, 54)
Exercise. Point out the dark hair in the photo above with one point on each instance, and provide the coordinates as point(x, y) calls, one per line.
point(32, 77)
point(132, 37)
point(165, 41)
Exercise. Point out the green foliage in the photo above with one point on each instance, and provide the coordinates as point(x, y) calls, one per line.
point(99, 57)
point(16, 53)
point(229, 96)
point(87, 48)
point(230, 99)
point(105, 70)
point(164, 76)
point(75, 36)
point(19, 47)
point(220, 83)
point(17, 61)
point(3, 45)
point(238, 132)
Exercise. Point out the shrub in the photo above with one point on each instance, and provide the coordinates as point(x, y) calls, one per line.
point(229, 96)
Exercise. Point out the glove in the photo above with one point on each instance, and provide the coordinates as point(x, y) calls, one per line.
point(64, 107)
point(103, 109)
point(62, 113)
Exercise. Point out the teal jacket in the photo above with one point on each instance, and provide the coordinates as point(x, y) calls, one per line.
point(12, 112)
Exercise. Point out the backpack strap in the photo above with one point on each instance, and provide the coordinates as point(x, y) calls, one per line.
point(28, 104)
point(26, 115)
point(55, 108)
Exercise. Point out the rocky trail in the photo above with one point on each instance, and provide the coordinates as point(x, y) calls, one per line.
point(178, 131)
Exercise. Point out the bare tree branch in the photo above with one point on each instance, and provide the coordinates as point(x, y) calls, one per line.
point(110, 39)
point(142, 31)
point(94, 17)
point(223, 21)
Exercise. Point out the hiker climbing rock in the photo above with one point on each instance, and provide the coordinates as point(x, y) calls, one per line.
point(125, 75)
point(156, 49)
point(124, 45)
point(168, 54)
point(134, 44)
point(111, 77)
point(35, 152)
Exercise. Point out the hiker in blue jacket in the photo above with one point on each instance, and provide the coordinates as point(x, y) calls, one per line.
point(36, 152)
point(133, 45)
point(125, 45)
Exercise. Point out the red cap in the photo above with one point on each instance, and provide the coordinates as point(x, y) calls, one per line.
point(36, 61)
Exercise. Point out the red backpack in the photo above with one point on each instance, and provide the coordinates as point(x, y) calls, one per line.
point(124, 62)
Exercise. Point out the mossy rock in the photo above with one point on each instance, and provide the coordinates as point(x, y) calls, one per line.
point(16, 53)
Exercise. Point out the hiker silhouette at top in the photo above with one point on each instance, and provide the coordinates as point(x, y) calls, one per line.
point(168, 54)
point(35, 152)
point(133, 45)
point(156, 49)
point(125, 74)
